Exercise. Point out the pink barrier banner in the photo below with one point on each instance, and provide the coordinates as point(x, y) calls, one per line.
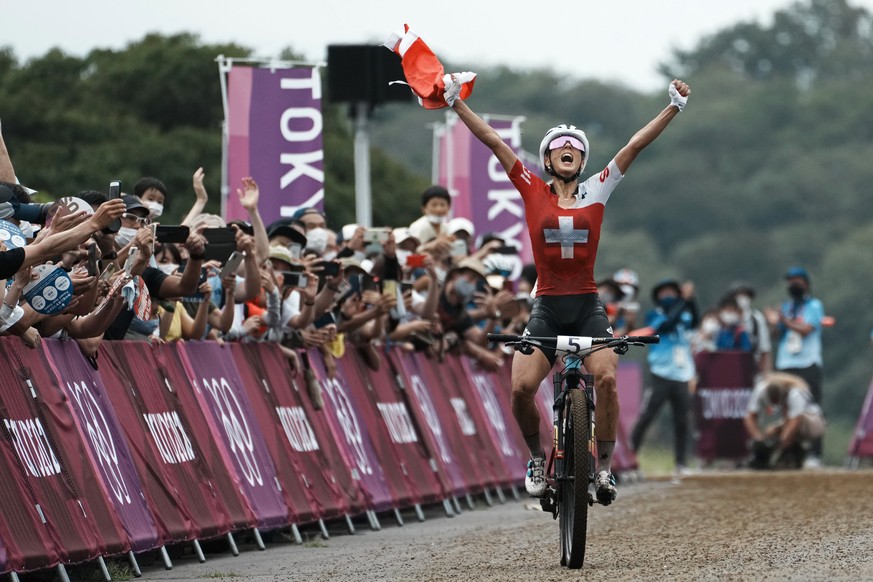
point(394, 423)
point(176, 481)
point(25, 544)
point(282, 397)
point(109, 452)
point(82, 520)
point(346, 422)
point(390, 429)
point(437, 420)
point(219, 391)
point(211, 451)
point(629, 379)
point(720, 404)
point(861, 444)
point(275, 136)
point(489, 393)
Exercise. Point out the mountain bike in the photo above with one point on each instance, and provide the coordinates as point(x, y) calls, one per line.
point(573, 416)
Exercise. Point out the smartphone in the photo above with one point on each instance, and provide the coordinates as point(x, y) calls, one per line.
point(114, 192)
point(405, 286)
point(375, 235)
point(459, 248)
point(198, 297)
point(327, 319)
point(389, 288)
point(330, 268)
point(114, 189)
point(108, 271)
point(131, 256)
point(369, 283)
point(92, 260)
point(297, 280)
point(171, 234)
point(417, 261)
point(232, 264)
point(356, 284)
point(221, 242)
point(506, 250)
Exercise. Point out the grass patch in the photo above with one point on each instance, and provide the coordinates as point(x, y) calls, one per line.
point(315, 542)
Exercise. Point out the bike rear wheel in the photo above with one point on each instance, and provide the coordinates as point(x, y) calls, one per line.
point(574, 488)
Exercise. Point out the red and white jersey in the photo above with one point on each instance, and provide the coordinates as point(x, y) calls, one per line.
point(564, 240)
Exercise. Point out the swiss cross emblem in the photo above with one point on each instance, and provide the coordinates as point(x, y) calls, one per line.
point(566, 236)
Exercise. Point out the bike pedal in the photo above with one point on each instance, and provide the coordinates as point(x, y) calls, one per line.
point(549, 502)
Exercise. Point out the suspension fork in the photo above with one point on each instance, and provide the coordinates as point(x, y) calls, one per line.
point(563, 382)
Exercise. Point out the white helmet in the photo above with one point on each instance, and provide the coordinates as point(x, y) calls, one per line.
point(558, 131)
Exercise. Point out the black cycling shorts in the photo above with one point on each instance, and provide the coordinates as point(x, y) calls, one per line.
point(579, 315)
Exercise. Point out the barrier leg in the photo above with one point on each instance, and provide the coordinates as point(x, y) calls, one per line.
point(374, 521)
point(198, 551)
point(295, 533)
point(258, 540)
point(323, 527)
point(62, 573)
point(137, 573)
point(457, 505)
point(515, 494)
point(232, 542)
point(470, 503)
point(103, 569)
point(13, 576)
point(168, 565)
point(448, 507)
point(419, 514)
point(488, 501)
point(500, 496)
point(350, 525)
point(398, 517)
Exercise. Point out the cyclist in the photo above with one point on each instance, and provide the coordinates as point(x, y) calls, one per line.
point(564, 219)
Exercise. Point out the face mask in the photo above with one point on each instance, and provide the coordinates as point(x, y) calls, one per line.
point(124, 236)
point(667, 302)
point(295, 250)
point(630, 292)
point(729, 317)
point(796, 291)
point(168, 268)
point(464, 288)
point(329, 256)
point(402, 256)
point(316, 240)
point(156, 208)
point(436, 219)
point(744, 301)
point(709, 326)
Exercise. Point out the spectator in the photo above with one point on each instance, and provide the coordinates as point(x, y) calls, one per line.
point(310, 217)
point(755, 324)
point(797, 327)
point(703, 339)
point(611, 296)
point(629, 307)
point(462, 229)
point(731, 335)
point(801, 421)
point(436, 203)
point(670, 364)
point(152, 193)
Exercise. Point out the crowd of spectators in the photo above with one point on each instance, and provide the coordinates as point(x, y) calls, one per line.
point(296, 282)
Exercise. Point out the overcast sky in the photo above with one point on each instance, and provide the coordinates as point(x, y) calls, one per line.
point(621, 40)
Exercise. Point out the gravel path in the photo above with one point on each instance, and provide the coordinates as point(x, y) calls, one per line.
point(810, 525)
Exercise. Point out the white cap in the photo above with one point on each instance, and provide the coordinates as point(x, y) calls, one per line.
point(457, 224)
point(403, 234)
point(348, 231)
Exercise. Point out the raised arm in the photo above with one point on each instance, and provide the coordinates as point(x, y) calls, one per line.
point(678, 92)
point(486, 134)
point(201, 197)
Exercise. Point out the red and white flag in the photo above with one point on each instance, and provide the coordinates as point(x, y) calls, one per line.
point(424, 72)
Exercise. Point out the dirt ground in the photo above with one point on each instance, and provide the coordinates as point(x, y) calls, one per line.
point(801, 525)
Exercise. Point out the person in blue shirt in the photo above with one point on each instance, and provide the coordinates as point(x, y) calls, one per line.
point(670, 363)
point(797, 329)
point(732, 335)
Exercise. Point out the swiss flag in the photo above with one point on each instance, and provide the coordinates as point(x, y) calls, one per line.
point(424, 72)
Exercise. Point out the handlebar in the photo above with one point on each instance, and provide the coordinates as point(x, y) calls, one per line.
point(573, 344)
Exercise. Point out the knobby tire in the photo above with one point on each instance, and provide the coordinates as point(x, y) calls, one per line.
point(574, 492)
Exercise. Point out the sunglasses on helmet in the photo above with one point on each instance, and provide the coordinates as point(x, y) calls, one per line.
point(562, 140)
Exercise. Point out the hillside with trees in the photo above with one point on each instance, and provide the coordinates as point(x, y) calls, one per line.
point(769, 166)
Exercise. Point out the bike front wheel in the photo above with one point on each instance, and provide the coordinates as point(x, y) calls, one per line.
point(574, 486)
